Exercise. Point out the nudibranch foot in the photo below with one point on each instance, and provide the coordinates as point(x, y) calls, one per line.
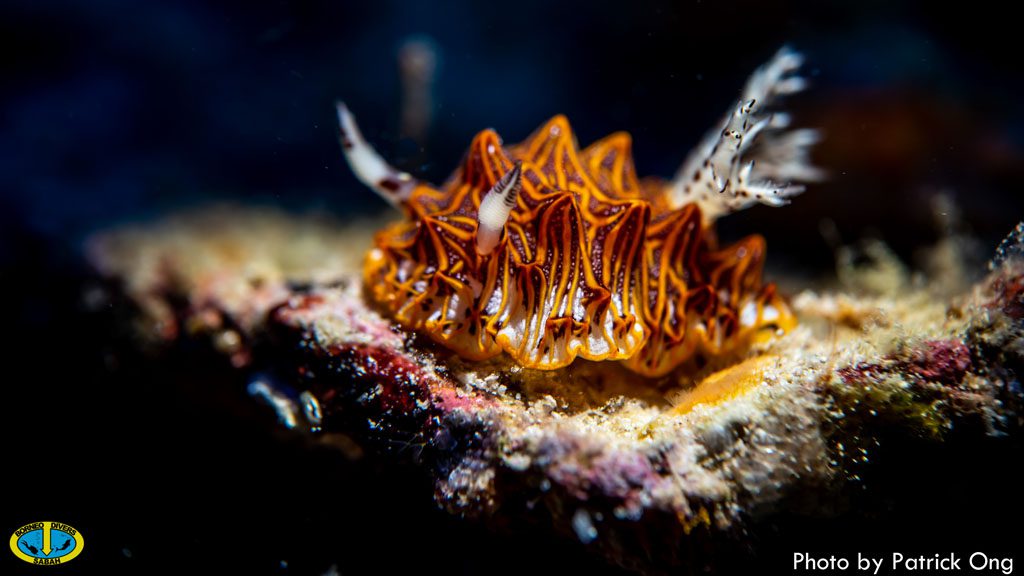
point(548, 253)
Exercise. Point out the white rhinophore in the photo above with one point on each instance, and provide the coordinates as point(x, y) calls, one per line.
point(495, 208)
point(390, 183)
point(728, 172)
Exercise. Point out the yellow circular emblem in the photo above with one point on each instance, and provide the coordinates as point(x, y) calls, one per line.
point(47, 543)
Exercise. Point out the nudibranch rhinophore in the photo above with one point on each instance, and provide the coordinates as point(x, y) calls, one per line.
point(548, 253)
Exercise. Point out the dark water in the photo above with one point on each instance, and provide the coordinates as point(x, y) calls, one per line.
point(114, 111)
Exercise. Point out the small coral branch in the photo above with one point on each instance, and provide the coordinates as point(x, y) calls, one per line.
point(752, 157)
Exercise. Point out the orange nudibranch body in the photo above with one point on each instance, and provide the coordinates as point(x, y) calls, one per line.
point(573, 256)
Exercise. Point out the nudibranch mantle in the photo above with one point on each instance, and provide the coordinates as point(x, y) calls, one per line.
point(547, 253)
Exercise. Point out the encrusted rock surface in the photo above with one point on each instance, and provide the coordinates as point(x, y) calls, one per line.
point(647, 473)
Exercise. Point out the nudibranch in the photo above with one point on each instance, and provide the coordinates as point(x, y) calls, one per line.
point(547, 253)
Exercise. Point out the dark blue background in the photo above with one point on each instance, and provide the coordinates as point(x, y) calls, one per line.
point(115, 110)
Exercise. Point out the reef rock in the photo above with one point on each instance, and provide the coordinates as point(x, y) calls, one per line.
point(652, 474)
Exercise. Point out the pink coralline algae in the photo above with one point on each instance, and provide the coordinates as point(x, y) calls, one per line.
point(943, 361)
point(940, 361)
